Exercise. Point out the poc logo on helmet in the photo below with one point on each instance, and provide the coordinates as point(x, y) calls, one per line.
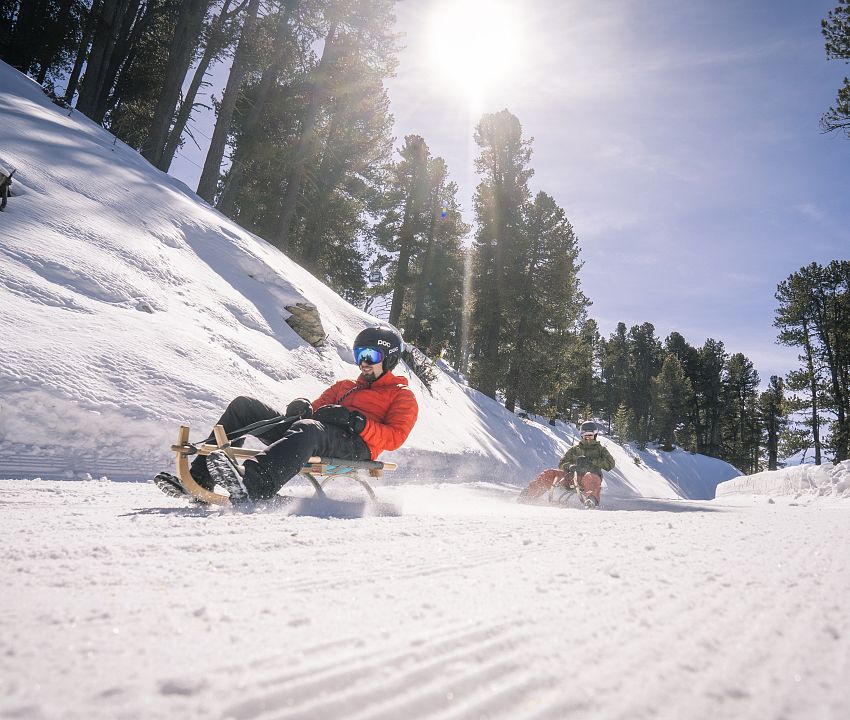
point(384, 343)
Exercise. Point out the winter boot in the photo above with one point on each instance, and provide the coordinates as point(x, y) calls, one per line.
point(173, 487)
point(225, 472)
point(170, 485)
point(590, 485)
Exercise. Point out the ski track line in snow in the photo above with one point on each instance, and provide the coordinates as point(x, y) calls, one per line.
point(479, 664)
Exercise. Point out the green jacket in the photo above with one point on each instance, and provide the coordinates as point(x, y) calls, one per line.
point(598, 458)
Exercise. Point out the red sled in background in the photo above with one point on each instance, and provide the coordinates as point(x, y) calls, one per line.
point(557, 487)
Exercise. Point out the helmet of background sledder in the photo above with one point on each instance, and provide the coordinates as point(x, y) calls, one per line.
point(382, 339)
point(589, 428)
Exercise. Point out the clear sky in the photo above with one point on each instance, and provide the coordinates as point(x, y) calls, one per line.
point(681, 138)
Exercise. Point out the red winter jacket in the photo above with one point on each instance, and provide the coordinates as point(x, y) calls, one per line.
point(389, 406)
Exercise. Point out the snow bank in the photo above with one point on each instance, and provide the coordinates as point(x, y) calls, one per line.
point(826, 480)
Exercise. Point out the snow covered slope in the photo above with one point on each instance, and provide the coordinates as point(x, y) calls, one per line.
point(130, 307)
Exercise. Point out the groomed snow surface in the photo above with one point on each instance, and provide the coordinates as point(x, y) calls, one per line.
point(129, 307)
point(119, 603)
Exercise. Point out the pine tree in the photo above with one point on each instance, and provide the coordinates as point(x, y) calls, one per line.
point(614, 354)
point(435, 318)
point(836, 31)
point(740, 429)
point(126, 57)
point(712, 361)
point(623, 420)
point(796, 330)
point(183, 41)
point(263, 125)
point(367, 25)
point(773, 412)
point(218, 35)
point(814, 313)
point(341, 175)
point(346, 177)
point(547, 306)
point(645, 358)
point(406, 218)
point(578, 380)
point(688, 357)
point(500, 203)
point(671, 400)
point(39, 37)
point(132, 78)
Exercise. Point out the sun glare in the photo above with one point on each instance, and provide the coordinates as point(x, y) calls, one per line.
point(474, 44)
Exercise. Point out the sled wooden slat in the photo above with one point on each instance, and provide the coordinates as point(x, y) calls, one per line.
point(185, 476)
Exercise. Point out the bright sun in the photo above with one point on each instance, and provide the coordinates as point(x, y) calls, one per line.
point(474, 43)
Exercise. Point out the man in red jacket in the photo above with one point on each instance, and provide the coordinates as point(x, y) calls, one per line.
point(354, 420)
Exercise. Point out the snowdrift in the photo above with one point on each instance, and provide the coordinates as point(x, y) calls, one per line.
point(825, 480)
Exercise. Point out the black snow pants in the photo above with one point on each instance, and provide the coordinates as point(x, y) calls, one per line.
point(289, 447)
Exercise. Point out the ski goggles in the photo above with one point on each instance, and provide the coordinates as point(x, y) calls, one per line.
point(370, 355)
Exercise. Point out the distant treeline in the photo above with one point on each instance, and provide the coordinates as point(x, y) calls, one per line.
point(302, 154)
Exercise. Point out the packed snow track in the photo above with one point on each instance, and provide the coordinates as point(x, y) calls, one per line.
point(119, 602)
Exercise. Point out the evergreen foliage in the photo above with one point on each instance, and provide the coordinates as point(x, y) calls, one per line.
point(774, 413)
point(500, 204)
point(40, 37)
point(836, 31)
point(545, 310)
point(623, 424)
point(740, 431)
point(671, 398)
point(814, 314)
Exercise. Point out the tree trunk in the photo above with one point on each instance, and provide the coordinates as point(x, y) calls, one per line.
point(83, 50)
point(189, 24)
point(212, 165)
point(245, 149)
point(130, 27)
point(306, 144)
point(92, 86)
point(50, 53)
point(22, 49)
point(214, 44)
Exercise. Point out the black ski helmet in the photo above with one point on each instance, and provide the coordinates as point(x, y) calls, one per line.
point(385, 340)
point(589, 428)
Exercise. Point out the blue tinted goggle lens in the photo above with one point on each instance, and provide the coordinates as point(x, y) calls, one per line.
point(368, 354)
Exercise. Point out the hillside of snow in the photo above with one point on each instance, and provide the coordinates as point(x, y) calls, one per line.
point(131, 307)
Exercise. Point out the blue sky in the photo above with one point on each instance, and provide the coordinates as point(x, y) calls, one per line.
point(681, 138)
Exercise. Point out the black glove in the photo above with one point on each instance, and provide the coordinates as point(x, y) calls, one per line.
point(300, 407)
point(354, 420)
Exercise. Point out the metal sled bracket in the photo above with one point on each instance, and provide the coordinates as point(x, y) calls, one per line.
point(330, 468)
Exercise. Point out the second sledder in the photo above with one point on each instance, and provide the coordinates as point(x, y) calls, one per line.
point(579, 473)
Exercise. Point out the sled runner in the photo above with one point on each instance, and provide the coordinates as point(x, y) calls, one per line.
point(318, 471)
